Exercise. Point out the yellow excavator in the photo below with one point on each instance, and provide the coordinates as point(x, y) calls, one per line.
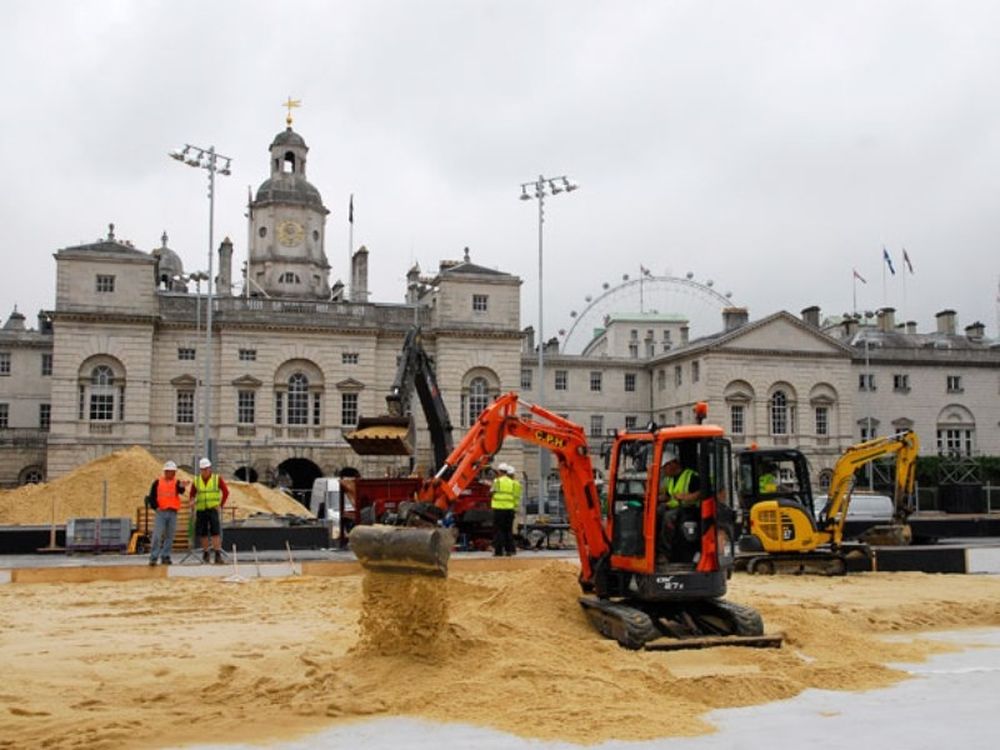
point(781, 534)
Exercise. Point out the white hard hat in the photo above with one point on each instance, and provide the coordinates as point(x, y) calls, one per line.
point(204, 464)
point(170, 466)
point(511, 469)
point(503, 468)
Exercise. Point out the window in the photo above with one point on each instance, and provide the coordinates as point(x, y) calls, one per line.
point(246, 407)
point(44, 417)
point(562, 380)
point(525, 380)
point(349, 358)
point(630, 422)
point(596, 425)
point(633, 335)
point(4, 416)
point(479, 399)
point(901, 383)
point(102, 394)
point(737, 424)
point(348, 408)
point(298, 399)
point(678, 376)
point(678, 417)
point(633, 350)
point(289, 278)
point(46, 365)
point(650, 349)
point(248, 355)
point(317, 409)
point(279, 407)
point(866, 381)
point(4, 363)
point(954, 441)
point(954, 383)
point(779, 413)
point(185, 407)
point(695, 372)
point(595, 381)
point(479, 302)
point(869, 428)
point(105, 283)
point(185, 353)
point(822, 420)
point(661, 380)
point(629, 382)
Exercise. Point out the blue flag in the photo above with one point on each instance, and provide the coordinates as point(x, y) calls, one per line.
point(888, 260)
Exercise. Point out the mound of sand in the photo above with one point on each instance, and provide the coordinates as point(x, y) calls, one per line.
point(104, 666)
point(121, 480)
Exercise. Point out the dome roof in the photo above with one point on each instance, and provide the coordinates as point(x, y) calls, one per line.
point(288, 137)
point(289, 188)
point(169, 263)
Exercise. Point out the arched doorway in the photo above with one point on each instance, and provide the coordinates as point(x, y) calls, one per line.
point(246, 474)
point(297, 475)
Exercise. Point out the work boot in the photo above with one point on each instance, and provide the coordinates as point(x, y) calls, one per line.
point(205, 557)
point(167, 561)
point(218, 557)
point(152, 563)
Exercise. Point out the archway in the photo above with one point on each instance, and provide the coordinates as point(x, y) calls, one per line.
point(297, 475)
point(246, 474)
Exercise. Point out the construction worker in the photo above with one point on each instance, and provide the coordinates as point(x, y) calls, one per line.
point(768, 481)
point(503, 503)
point(678, 496)
point(165, 498)
point(208, 494)
point(518, 491)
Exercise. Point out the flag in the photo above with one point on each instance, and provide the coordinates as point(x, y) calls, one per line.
point(645, 271)
point(858, 276)
point(888, 260)
point(350, 210)
point(906, 260)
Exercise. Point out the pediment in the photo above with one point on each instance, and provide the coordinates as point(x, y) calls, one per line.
point(350, 384)
point(184, 381)
point(783, 332)
point(247, 381)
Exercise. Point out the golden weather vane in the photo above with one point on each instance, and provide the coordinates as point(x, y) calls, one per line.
point(291, 104)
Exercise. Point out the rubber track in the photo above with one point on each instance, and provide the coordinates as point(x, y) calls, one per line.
point(743, 620)
point(631, 627)
point(819, 563)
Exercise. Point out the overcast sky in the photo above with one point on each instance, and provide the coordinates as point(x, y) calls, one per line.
point(771, 147)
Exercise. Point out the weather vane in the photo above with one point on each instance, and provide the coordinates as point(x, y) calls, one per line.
point(291, 104)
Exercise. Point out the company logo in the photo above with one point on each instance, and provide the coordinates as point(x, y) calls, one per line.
point(669, 583)
point(546, 438)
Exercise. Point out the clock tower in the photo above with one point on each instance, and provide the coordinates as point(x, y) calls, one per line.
point(287, 227)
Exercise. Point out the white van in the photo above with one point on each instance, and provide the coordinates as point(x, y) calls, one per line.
point(870, 508)
point(324, 501)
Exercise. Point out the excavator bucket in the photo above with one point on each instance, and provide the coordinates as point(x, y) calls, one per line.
point(386, 435)
point(403, 549)
point(888, 535)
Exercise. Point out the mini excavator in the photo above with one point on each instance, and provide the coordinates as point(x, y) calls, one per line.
point(633, 593)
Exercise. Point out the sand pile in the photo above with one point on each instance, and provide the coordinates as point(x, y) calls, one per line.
point(127, 474)
point(104, 667)
point(403, 615)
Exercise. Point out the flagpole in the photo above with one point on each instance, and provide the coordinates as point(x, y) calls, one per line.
point(350, 249)
point(854, 278)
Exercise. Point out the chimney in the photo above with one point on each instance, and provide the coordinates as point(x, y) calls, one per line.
point(732, 318)
point(225, 284)
point(359, 275)
point(810, 316)
point(975, 332)
point(529, 338)
point(946, 322)
point(44, 323)
point(850, 324)
point(685, 333)
point(911, 326)
point(887, 319)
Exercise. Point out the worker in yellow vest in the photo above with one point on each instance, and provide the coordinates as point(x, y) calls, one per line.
point(679, 498)
point(208, 495)
point(503, 503)
point(165, 498)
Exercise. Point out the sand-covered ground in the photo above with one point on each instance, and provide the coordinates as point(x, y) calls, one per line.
point(161, 663)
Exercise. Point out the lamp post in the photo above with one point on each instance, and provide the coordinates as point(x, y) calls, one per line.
point(197, 277)
point(207, 159)
point(868, 399)
point(542, 187)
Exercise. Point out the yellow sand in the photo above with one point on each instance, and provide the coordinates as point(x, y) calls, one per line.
point(159, 663)
point(128, 474)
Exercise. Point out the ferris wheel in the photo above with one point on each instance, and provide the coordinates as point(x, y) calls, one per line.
point(698, 301)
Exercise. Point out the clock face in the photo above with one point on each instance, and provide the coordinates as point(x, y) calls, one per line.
point(290, 233)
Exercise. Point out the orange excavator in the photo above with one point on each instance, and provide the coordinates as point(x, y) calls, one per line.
point(633, 592)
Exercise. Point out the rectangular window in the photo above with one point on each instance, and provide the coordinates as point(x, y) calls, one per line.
point(661, 379)
point(105, 283)
point(695, 372)
point(525, 380)
point(633, 350)
point(650, 350)
point(4, 416)
point(46, 365)
point(317, 410)
point(248, 355)
point(279, 407)
point(901, 383)
point(246, 407)
point(678, 417)
point(629, 382)
point(348, 408)
point(955, 442)
point(678, 376)
point(866, 381)
point(595, 381)
point(102, 407)
point(44, 417)
point(822, 420)
point(186, 353)
point(479, 302)
point(633, 335)
point(349, 358)
point(185, 407)
point(562, 379)
point(736, 419)
point(4, 363)
point(630, 422)
point(596, 425)
point(954, 383)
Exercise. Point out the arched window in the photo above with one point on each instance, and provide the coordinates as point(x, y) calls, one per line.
point(479, 398)
point(289, 278)
point(298, 399)
point(779, 413)
point(102, 394)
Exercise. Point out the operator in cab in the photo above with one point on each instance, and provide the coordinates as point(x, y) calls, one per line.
point(678, 501)
point(768, 480)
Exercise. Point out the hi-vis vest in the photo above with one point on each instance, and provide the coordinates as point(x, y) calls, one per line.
point(166, 494)
point(517, 493)
point(675, 486)
point(503, 494)
point(209, 495)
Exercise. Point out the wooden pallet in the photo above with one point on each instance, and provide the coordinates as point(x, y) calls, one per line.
point(146, 517)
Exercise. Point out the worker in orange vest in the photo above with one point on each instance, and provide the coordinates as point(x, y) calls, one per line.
point(164, 497)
